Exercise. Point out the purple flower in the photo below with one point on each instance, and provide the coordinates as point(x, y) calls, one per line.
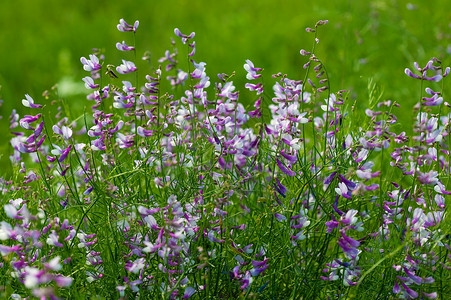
point(251, 70)
point(255, 87)
point(125, 141)
point(189, 291)
point(27, 119)
point(259, 266)
point(342, 190)
point(53, 239)
point(63, 281)
point(136, 266)
point(429, 178)
point(89, 83)
point(291, 158)
point(247, 280)
point(280, 188)
point(62, 152)
point(124, 26)
point(126, 67)
point(193, 46)
point(435, 100)
point(331, 225)
point(409, 291)
point(280, 217)
point(143, 132)
point(124, 47)
point(29, 102)
point(349, 218)
point(428, 66)
point(284, 169)
point(11, 212)
point(5, 250)
point(91, 64)
point(65, 131)
point(184, 36)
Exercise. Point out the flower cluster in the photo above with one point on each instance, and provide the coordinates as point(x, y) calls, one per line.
point(176, 189)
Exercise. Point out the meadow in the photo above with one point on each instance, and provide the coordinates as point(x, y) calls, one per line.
point(194, 150)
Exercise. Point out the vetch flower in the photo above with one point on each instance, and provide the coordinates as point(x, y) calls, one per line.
point(184, 37)
point(350, 217)
point(435, 100)
point(259, 267)
point(64, 131)
point(62, 152)
point(281, 189)
point(29, 102)
point(279, 217)
point(136, 266)
point(429, 178)
point(255, 87)
point(246, 280)
point(423, 71)
point(189, 291)
point(124, 26)
point(284, 169)
point(11, 211)
point(91, 64)
point(126, 67)
point(342, 190)
point(89, 83)
point(27, 120)
point(251, 70)
point(123, 47)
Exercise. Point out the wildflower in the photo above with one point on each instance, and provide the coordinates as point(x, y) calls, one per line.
point(184, 37)
point(126, 67)
point(251, 70)
point(342, 190)
point(89, 83)
point(285, 169)
point(29, 102)
point(189, 291)
point(280, 217)
point(92, 64)
point(62, 152)
point(423, 71)
point(246, 280)
point(136, 266)
point(124, 26)
point(259, 267)
point(123, 47)
point(435, 100)
point(254, 87)
point(429, 178)
point(65, 131)
point(27, 120)
point(281, 189)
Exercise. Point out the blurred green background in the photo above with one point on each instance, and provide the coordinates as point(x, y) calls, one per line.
point(43, 40)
